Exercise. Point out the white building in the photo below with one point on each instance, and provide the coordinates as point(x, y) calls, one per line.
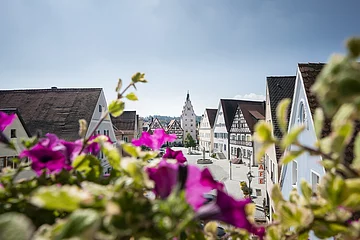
point(224, 117)
point(188, 119)
point(304, 103)
point(206, 130)
point(58, 110)
point(277, 89)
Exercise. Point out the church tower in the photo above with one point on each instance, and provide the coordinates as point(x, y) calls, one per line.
point(188, 118)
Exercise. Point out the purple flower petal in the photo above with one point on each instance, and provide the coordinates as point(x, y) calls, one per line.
point(50, 154)
point(233, 212)
point(154, 141)
point(171, 154)
point(198, 182)
point(165, 177)
point(6, 120)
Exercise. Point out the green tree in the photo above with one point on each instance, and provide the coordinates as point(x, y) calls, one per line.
point(189, 141)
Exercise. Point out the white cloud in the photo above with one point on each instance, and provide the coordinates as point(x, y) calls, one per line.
point(250, 96)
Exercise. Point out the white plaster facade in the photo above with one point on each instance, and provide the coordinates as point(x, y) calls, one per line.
point(105, 128)
point(206, 134)
point(305, 167)
point(220, 133)
point(188, 119)
point(15, 131)
point(271, 166)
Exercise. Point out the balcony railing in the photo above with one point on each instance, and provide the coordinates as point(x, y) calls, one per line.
point(241, 143)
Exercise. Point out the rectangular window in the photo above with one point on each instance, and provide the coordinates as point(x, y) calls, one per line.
point(294, 173)
point(100, 108)
point(224, 147)
point(13, 133)
point(315, 179)
point(258, 192)
point(125, 138)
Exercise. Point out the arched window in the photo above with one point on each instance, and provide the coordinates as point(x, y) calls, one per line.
point(302, 116)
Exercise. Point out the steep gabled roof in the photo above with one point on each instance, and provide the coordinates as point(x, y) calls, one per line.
point(55, 110)
point(211, 113)
point(279, 88)
point(253, 111)
point(125, 121)
point(229, 107)
point(309, 73)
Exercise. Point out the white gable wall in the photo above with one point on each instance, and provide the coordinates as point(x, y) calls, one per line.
point(205, 134)
point(271, 164)
point(104, 128)
point(220, 133)
point(306, 165)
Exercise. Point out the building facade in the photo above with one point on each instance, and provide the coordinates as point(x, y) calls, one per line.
point(277, 89)
point(242, 147)
point(206, 130)
point(58, 110)
point(126, 126)
point(188, 119)
point(174, 127)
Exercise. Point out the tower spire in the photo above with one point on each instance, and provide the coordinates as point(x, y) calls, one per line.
point(188, 96)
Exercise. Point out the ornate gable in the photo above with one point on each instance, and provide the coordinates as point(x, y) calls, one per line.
point(239, 124)
point(155, 125)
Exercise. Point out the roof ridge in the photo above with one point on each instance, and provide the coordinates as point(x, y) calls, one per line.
point(49, 89)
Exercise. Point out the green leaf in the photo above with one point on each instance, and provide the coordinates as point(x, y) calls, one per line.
point(112, 155)
point(344, 114)
point(130, 149)
point(138, 77)
point(290, 156)
point(15, 226)
point(89, 165)
point(82, 127)
point(306, 190)
point(356, 161)
point(116, 107)
point(64, 198)
point(131, 96)
point(81, 224)
point(29, 143)
point(342, 136)
point(276, 195)
point(263, 132)
point(292, 136)
point(282, 114)
point(318, 121)
point(119, 85)
point(353, 44)
point(332, 188)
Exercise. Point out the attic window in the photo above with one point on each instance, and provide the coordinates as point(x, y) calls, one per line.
point(100, 108)
point(302, 113)
point(13, 133)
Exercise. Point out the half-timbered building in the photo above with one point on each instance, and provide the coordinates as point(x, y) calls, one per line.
point(247, 114)
point(206, 130)
point(174, 127)
point(155, 124)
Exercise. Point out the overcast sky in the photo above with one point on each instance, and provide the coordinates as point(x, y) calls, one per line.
point(213, 48)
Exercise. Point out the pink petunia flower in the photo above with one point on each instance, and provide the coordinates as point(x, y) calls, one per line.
point(5, 120)
point(154, 141)
point(171, 154)
point(198, 182)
